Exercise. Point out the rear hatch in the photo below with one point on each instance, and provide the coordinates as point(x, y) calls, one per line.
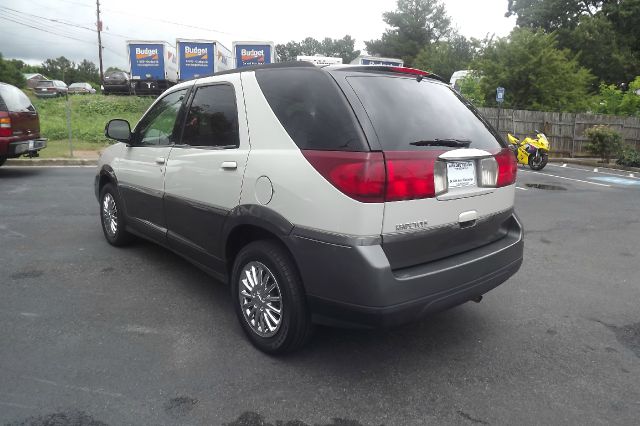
point(116, 78)
point(449, 184)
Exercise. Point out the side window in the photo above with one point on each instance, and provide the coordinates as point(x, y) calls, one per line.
point(213, 118)
point(158, 126)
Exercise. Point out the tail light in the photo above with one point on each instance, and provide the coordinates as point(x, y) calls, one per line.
point(374, 177)
point(410, 175)
point(507, 168)
point(360, 175)
point(5, 124)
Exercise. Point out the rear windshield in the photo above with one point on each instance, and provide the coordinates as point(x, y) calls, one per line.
point(115, 74)
point(409, 115)
point(13, 99)
point(48, 83)
point(312, 109)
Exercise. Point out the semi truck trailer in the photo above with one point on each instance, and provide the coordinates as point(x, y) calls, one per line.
point(153, 65)
point(247, 53)
point(201, 58)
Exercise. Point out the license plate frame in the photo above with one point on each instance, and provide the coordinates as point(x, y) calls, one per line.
point(461, 174)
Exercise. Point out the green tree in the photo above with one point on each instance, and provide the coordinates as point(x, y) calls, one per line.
point(60, 68)
point(612, 100)
point(414, 25)
point(535, 73)
point(602, 49)
point(552, 15)
point(9, 73)
point(338, 48)
point(447, 56)
point(87, 71)
point(471, 89)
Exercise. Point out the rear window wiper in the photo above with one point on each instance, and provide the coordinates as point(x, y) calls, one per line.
point(452, 143)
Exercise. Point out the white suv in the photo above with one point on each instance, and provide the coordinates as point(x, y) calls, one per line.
point(347, 195)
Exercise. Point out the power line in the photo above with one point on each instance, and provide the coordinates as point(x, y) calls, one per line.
point(50, 31)
point(63, 22)
point(44, 30)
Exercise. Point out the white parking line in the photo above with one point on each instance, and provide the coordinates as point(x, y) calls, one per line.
point(562, 177)
point(599, 172)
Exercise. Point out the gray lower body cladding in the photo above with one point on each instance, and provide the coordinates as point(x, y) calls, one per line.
point(355, 286)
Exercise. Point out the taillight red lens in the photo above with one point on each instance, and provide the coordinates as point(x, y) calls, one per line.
point(370, 177)
point(507, 167)
point(5, 125)
point(410, 175)
point(406, 70)
point(360, 175)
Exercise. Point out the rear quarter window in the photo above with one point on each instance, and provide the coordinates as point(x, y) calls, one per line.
point(13, 99)
point(404, 111)
point(312, 109)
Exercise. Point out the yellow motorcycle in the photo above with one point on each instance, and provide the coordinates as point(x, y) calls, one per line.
point(531, 152)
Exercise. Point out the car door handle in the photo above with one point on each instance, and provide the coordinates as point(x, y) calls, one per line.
point(229, 165)
point(160, 160)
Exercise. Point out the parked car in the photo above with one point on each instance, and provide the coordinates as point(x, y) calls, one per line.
point(117, 82)
point(19, 125)
point(357, 196)
point(81, 88)
point(51, 89)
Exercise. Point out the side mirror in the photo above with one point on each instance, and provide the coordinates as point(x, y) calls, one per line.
point(119, 130)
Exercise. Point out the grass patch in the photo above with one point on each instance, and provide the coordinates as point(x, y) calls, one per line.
point(60, 148)
point(89, 115)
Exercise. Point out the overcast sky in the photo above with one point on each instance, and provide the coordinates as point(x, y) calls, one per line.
point(276, 20)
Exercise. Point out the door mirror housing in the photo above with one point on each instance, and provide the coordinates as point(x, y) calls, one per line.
point(119, 130)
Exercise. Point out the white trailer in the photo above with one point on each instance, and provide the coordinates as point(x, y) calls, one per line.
point(375, 60)
point(318, 60)
point(201, 58)
point(153, 65)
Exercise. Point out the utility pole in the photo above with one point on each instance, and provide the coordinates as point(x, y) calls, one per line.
point(99, 27)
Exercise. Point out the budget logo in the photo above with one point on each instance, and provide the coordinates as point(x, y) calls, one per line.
point(195, 53)
point(146, 53)
point(252, 55)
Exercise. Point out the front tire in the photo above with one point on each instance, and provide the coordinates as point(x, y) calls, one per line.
point(3, 160)
point(269, 298)
point(538, 162)
point(112, 217)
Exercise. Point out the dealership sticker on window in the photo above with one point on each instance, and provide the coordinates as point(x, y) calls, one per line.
point(461, 174)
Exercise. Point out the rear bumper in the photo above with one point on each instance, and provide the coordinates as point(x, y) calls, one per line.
point(116, 88)
point(354, 286)
point(47, 94)
point(18, 148)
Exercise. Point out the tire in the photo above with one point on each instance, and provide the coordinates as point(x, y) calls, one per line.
point(3, 160)
point(282, 290)
point(112, 217)
point(538, 165)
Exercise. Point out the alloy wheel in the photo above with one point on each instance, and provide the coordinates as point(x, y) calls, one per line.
point(260, 299)
point(110, 214)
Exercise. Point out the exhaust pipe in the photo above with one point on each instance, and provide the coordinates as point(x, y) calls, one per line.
point(477, 299)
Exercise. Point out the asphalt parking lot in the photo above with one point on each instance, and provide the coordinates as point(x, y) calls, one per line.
point(94, 335)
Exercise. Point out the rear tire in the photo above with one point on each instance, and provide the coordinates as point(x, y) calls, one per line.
point(269, 299)
point(540, 162)
point(112, 217)
point(3, 160)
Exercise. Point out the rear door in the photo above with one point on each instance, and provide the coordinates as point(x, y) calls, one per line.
point(24, 117)
point(204, 173)
point(434, 144)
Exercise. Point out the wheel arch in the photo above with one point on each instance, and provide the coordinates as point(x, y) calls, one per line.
point(248, 223)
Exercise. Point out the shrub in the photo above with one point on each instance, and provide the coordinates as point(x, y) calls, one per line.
point(629, 157)
point(603, 142)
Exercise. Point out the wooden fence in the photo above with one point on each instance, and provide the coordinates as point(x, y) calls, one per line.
point(564, 130)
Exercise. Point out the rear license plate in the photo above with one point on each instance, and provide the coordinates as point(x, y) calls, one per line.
point(461, 174)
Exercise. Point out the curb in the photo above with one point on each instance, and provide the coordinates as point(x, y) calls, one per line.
point(594, 163)
point(52, 162)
